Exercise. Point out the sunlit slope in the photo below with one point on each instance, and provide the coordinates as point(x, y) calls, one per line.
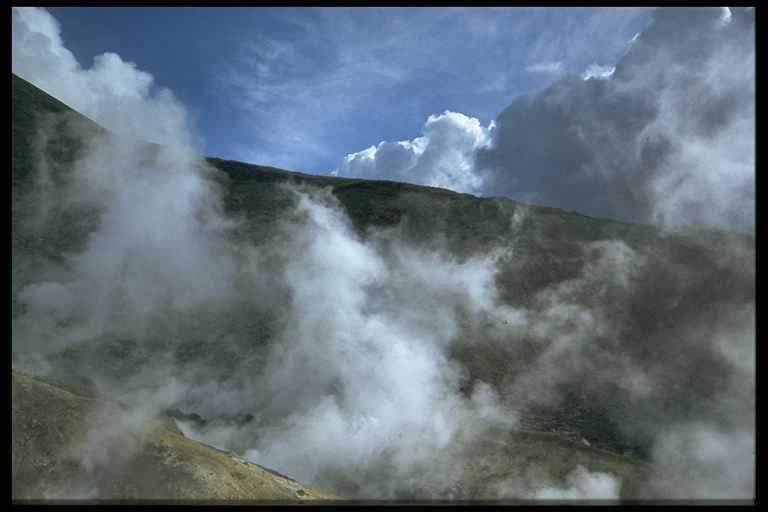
point(65, 445)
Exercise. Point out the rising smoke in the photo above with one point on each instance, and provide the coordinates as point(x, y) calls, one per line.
point(340, 345)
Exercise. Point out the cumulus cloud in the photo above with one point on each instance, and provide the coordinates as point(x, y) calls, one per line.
point(664, 136)
point(667, 137)
point(442, 157)
point(317, 75)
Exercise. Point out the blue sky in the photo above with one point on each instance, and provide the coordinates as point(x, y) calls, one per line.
point(634, 114)
point(300, 88)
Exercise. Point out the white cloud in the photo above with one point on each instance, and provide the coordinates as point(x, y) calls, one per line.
point(608, 147)
point(598, 72)
point(442, 157)
point(668, 139)
point(727, 16)
point(342, 69)
point(545, 67)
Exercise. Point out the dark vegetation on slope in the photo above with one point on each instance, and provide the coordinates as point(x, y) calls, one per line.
point(684, 279)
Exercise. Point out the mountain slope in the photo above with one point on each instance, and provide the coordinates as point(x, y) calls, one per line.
point(60, 450)
point(678, 288)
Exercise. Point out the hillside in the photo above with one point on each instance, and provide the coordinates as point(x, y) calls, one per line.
point(65, 446)
point(668, 285)
point(143, 461)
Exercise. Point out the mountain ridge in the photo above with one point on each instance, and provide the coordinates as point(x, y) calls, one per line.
point(50, 104)
point(684, 277)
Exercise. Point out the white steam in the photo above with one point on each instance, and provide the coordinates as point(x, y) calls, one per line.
point(361, 365)
point(355, 387)
point(368, 333)
point(582, 485)
point(114, 93)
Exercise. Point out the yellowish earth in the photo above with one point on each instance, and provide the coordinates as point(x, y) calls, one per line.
point(69, 447)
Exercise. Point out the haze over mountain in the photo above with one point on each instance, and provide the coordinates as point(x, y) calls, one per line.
point(377, 339)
